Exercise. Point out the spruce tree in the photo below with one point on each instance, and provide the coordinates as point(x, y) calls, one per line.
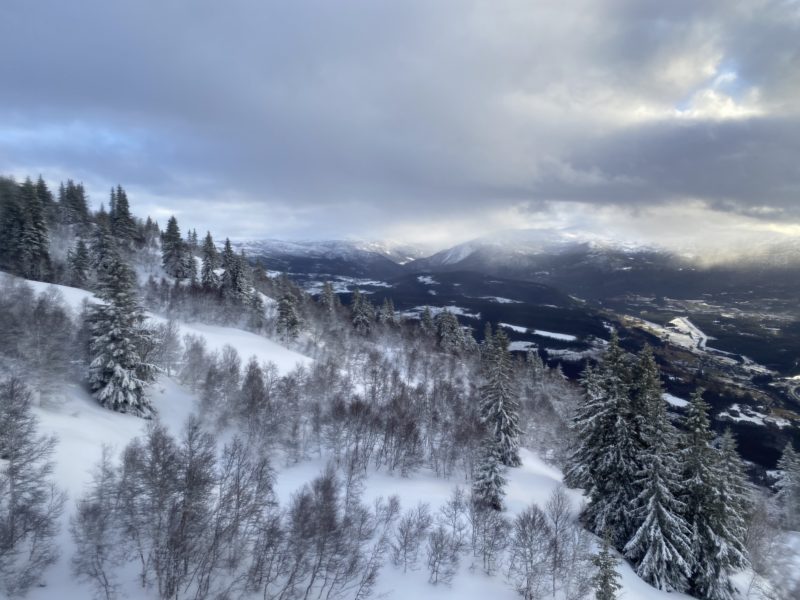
point(329, 299)
point(47, 201)
point(78, 261)
point(450, 334)
point(103, 252)
point(123, 224)
point(606, 581)
point(288, 323)
point(208, 277)
point(717, 545)
point(788, 486)
point(173, 251)
point(117, 374)
point(386, 314)
point(488, 481)
point(234, 285)
point(361, 313)
point(34, 251)
point(605, 460)
point(660, 547)
point(426, 322)
point(12, 226)
point(499, 405)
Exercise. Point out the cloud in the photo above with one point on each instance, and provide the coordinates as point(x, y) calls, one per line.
point(324, 119)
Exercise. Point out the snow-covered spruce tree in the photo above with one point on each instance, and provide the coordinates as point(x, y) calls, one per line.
point(361, 313)
point(605, 460)
point(329, 300)
point(210, 261)
point(736, 491)
point(123, 224)
point(386, 314)
point(288, 322)
point(606, 583)
point(234, 285)
point(717, 549)
point(788, 485)
point(488, 481)
point(660, 547)
point(78, 262)
point(30, 504)
point(103, 253)
point(174, 251)
point(499, 405)
point(34, 240)
point(426, 322)
point(449, 332)
point(117, 374)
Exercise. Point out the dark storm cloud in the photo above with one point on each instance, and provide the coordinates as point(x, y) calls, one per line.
point(350, 114)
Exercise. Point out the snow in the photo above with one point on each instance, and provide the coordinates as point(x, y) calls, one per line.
point(565, 337)
point(675, 401)
point(521, 346)
point(500, 300)
point(415, 312)
point(83, 427)
point(344, 285)
point(427, 280)
point(247, 344)
point(517, 328)
point(73, 297)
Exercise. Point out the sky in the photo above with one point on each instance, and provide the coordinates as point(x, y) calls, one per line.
point(425, 121)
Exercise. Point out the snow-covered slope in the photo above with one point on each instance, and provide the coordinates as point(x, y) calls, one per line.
point(82, 428)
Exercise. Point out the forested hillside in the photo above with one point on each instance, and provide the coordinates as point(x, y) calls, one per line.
point(176, 423)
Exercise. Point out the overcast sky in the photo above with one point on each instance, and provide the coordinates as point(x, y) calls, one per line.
point(420, 120)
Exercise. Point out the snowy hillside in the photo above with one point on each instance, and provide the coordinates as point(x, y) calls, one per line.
point(82, 428)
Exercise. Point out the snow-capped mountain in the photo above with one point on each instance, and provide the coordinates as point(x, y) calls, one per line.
point(338, 257)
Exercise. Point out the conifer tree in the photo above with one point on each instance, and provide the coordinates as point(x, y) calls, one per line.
point(288, 323)
point(73, 205)
point(450, 334)
point(103, 251)
point(173, 251)
point(426, 322)
point(234, 285)
point(47, 201)
point(361, 311)
point(123, 225)
point(605, 460)
point(660, 547)
point(34, 251)
point(12, 225)
point(78, 262)
point(717, 547)
point(606, 581)
point(788, 486)
point(329, 300)
point(488, 481)
point(386, 314)
point(208, 277)
point(499, 407)
point(117, 373)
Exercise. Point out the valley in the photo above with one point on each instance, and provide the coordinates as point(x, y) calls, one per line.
point(734, 331)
